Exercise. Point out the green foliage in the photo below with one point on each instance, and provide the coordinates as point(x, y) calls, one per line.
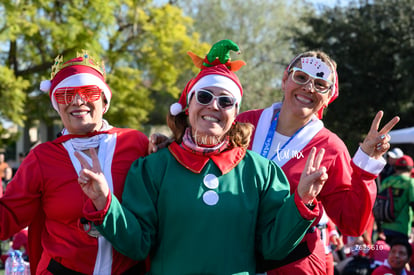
point(12, 97)
point(130, 100)
point(143, 45)
point(12, 100)
point(262, 29)
point(373, 46)
point(157, 39)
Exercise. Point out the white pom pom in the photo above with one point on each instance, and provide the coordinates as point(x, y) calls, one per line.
point(176, 108)
point(45, 86)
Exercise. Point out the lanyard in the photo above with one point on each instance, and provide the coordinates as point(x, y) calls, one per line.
point(269, 138)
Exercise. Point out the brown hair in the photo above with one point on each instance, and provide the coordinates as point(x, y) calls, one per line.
point(239, 134)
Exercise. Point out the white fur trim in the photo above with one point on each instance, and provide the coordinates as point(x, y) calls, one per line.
point(103, 262)
point(176, 108)
point(220, 81)
point(297, 143)
point(82, 79)
point(45, 86)
point(367, 163)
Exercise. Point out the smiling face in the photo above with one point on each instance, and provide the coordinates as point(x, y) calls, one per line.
point(210, 122)
point(398, 256)
point(80, 117)
point(302, 99)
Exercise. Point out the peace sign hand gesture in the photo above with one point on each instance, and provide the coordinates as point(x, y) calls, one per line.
point(376, 143)
point(313, 177)
point(92, 180)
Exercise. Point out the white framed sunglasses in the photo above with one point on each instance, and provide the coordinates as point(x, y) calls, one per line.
point(301, 77)
point(205, 97)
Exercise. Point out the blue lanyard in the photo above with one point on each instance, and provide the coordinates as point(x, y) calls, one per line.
point(269, 138)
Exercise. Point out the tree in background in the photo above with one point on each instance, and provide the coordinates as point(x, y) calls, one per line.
point(143, 45)
point(12, 100)
point(373, 44)
point(262, 29)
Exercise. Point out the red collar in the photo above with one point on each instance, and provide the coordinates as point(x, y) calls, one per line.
point(225, 161)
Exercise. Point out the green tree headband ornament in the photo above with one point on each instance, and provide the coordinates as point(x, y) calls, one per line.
point(218, 64)
point(219, 54)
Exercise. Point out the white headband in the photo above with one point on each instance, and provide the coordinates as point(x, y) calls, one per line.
point(220, 81)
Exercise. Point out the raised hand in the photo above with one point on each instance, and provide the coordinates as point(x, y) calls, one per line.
point(313, 177)
point(376, 143)
point(92, 180)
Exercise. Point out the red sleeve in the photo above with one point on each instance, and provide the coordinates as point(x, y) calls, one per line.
point(349, 193)
point(304, 211)
point(348, 197)
point(35, 248)
point(21, 201)
point(96, 216)
point(20, 206)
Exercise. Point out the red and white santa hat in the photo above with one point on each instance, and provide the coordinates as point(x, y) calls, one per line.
point(77, 72)
point(217, 76)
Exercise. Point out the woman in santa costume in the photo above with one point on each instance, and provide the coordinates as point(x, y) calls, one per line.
point(287, 131)
point(45, 195)
point(205, 204)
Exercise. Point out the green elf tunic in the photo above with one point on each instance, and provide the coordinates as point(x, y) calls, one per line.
point(197, 214)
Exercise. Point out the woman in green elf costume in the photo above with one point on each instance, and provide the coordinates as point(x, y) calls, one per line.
point(205, 204)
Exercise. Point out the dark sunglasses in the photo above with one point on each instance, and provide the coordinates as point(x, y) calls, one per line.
point(205, 97)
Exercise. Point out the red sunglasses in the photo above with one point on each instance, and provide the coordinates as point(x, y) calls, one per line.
point(88, 93)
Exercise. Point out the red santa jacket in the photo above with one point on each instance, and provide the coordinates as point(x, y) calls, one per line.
point(45, 195)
